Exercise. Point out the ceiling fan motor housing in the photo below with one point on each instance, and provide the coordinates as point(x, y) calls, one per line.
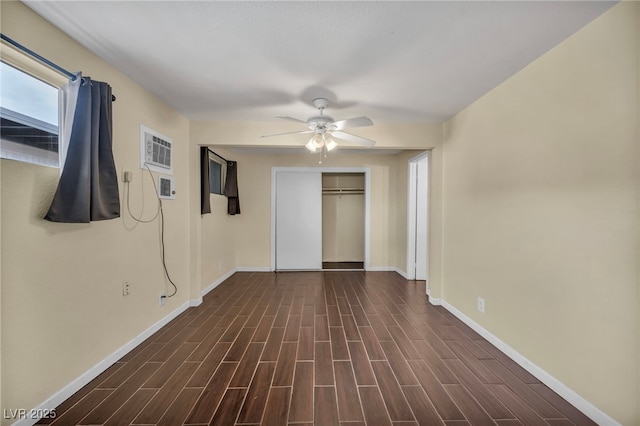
point(325, 128)
point(320, 103)
point(320, 120)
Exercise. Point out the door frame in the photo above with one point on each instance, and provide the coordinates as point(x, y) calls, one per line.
point(367, 203)
point(412, 193)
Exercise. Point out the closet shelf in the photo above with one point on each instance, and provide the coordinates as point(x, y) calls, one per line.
point(342, 191)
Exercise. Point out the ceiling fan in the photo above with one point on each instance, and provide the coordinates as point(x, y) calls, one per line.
point(325, 129)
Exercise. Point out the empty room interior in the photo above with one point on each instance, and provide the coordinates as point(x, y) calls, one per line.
point(330, 213)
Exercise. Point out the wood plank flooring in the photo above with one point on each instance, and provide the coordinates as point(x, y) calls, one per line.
point(323, 348)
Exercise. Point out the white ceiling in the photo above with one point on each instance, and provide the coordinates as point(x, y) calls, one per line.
point(389, 60)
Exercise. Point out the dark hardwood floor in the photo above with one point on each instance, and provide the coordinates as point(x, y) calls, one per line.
point(323, 348)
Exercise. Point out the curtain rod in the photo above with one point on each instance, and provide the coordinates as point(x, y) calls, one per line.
point(42, 59)
point(217, 155)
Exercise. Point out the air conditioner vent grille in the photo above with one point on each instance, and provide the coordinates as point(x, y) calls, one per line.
point(161, 152)
point(155, 151)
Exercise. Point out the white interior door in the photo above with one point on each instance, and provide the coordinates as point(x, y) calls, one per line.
point(298, 221)
point(422, 218)
point(418, 219)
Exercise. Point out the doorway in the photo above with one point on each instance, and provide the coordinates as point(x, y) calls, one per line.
point(343, 221)
point(418, 218)
point(294, 230)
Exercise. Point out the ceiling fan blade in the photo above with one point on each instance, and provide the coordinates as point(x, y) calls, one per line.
point(287, 133)
point(353, 139)
point(286, 117)
point(352, 122)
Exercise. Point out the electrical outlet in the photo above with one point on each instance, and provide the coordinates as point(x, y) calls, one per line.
point(481, 304)
point(162, 298)
point(127, 176)
point(219, 265)
point(126, 288)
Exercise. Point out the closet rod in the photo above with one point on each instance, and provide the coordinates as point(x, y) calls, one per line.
point(342, 189)
point(345, 193)
point(354, 192)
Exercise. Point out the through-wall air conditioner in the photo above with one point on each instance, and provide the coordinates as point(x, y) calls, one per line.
point(156, 151)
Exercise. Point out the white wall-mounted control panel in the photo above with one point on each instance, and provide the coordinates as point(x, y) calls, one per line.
point(167, 187)
point(156, 151)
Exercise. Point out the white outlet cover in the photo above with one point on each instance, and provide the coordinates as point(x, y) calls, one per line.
point(481, 304)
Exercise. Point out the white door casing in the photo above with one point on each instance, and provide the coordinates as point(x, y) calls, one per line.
point(422, 181)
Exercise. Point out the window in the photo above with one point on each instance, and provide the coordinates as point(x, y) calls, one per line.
point(29, 118)
point(216, 174)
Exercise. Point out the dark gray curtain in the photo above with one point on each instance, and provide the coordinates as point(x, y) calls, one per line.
point(231, 188)
point(205, 203)
point(88, 187)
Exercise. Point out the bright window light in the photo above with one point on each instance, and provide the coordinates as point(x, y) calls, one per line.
point(29, 113)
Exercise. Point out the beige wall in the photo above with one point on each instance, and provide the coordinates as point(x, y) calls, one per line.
point(388, 220)
point(217, 240)
point(343, 228)
point(254, 226)
point(62, 304)
point(541, 180)
point(247, 134)
point(638, 143)
point(534, 191)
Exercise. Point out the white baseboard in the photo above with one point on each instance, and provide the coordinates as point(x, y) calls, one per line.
point(395, 269)
point(590, 410)
point(369, 269)
point(435, 301)
point(59, 397)
point(214, 284)
point(564, 391)
point(380, 269)
point(73, 387)
point(402, 273)
point(253, 269)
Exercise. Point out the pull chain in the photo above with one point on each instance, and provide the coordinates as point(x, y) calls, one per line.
point(323, 153)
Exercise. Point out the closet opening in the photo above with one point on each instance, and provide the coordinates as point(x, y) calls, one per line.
point(343, 221)
point(320, 218)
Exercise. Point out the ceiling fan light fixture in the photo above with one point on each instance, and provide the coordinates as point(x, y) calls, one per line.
point(311, 146)
point(325, 129)
point(330, 143)
point(317, 140)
